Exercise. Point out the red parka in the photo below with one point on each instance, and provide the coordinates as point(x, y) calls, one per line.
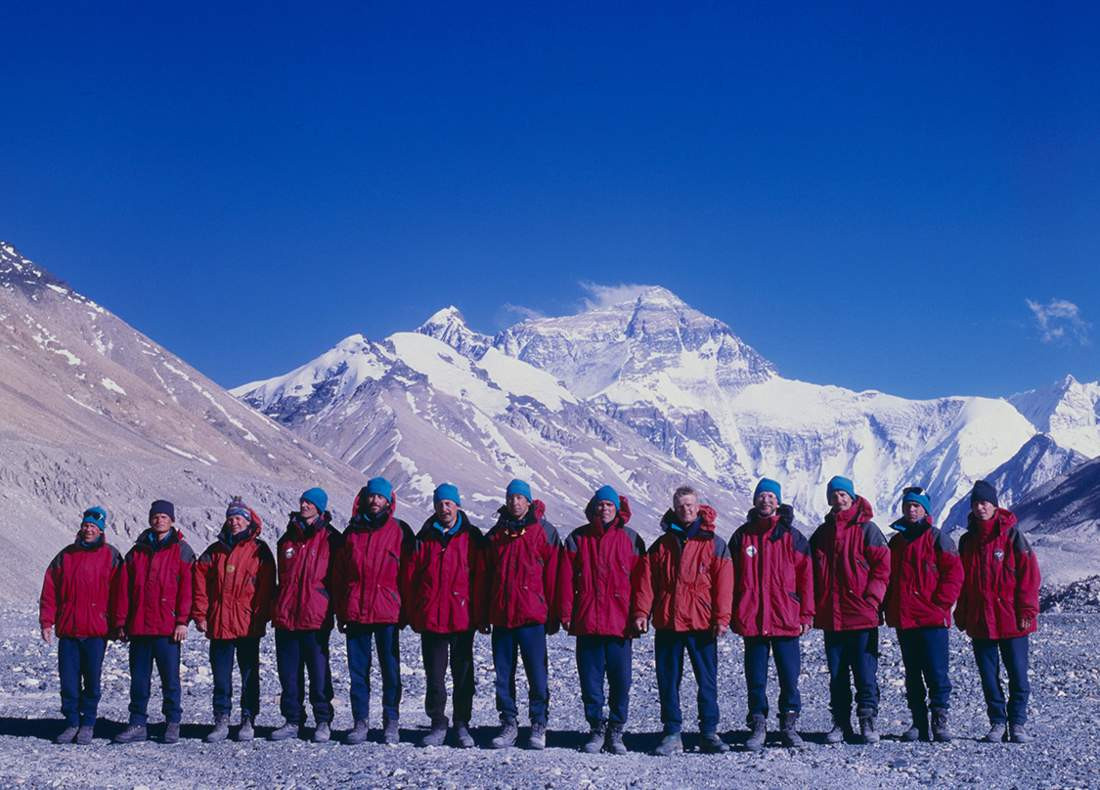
point(926, 576)
point(446, 585)
point(773, 576)
point(155, 585)
point(1002, 579)
point(234, 584)
point(523, 569)
point(79, 590)
point(370, 565)
point(689, 584)
point(851, 569)
point(304, 554)
point(602, 577)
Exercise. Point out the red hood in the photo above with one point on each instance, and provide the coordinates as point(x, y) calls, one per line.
point(355, 506)
point(707, 517)
point(859, 513)
point(1002, 521)
point(621, 518)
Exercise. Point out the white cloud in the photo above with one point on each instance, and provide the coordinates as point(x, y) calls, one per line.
point(607, 295)
point(1060, 319)
point(526, 313)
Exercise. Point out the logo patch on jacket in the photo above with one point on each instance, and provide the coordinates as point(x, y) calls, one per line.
point(750, 550)
point(998, 554)
point(289, 552)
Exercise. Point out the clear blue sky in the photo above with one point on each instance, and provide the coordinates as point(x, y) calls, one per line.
point(869, 195)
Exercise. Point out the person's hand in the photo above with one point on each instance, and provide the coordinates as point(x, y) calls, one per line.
point(47, 633)
point(567, 625)
point(120, 634)
point(805, 629)
point(486, 629)
point(180, 633)
point(342, 627)
point(1024, 623)
point(719, 629)
point(641, 624)
point(201, 626)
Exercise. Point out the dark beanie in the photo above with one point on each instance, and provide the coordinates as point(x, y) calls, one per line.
point(984, 492)
point(162, 506)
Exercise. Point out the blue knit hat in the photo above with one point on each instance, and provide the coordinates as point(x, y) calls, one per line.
point(237, 507)
point(917, 494)
point(447, 491)
point(839, 483)
point(609, 494)
point(521, 487)
point(767, 484)
point(95, 515)
point(316, 497)
point(984, 492)
point(380, 486)
point(162, 506)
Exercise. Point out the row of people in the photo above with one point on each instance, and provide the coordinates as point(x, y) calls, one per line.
point(520, 582)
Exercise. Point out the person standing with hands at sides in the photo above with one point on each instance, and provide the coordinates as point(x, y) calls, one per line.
point(303, 616)
point(233, 591)
point(691, 579)
point(926, 577)
point(446, 604)
point(152, 610)
point(999, 609)
point(773, 595)
point(78, 591)
point(370, 564)
point(603, 601)
point(524, 549)
point(851, 572)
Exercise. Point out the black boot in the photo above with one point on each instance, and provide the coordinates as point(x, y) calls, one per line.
point(918, 730)
point(867, 729)
point(758, 732)
point(787, 731)
point(941, 730)
point(507, 736)
point(842, 729)
point(595, 739)
point(614, 743)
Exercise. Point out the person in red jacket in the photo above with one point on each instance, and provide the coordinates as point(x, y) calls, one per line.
point(303, 616)
point(446, 604)
point(370, 564)
point(601, 601)
point(152, 611)
point(998, 609)
point(232, 593)
point(689, 591)
point(925, 580)
point(851, 571)
point(524, 549)
point(77, 595)
point(773, 607)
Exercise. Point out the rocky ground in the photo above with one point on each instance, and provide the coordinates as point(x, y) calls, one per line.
point(1065, 705)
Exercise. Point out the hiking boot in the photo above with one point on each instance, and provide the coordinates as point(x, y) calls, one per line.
point(220, 731)
point(135, 733)
point(1017, 733)
point(462, 735)
point(710, 743)
point(758, 732)
point(322, 733)
point(788, 735)
point(671, 743)
point(841, 731)
point(358, 733)
point(246, 732)
point(595, 739)
point(288, 730)
point(507, 737)
point(614, 742)
point(436, 735)
point(391, 735)
point(171, 732)
point(84, 735)
point(941, 730)
point(996, 733)
point(67, 735)
point(918, 730)
point(867, 729)
point(537, 739)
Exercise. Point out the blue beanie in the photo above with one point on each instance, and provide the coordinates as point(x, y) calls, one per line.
point(447, 491)
point(984, 492)
point(917, 494)
point(608, 493)
point(316, 497)
point(95, 515)
point(380, 486)
point(162, 506)
point(237, 507)
point(521, 487)
point(767, 484)
point(839, 483)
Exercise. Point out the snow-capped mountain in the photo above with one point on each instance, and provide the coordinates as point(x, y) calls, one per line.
point(96, 412)
point(1069, 411)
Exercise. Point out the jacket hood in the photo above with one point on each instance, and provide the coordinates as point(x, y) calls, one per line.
point(534, 515)
point(255, 525)
point(621, 518)
point(355, 506)
point(298, 525)
point(912, 530)
point(859, 513)
point(707, 517)
point(1002, 520)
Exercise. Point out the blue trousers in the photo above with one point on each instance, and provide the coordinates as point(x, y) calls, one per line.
point(924, 653)
point(144, 652)
point(247, 652)
point(610, 657)
point(80, 665)
point(528, 641)
point(437, 650)
point(668, 653)
point(852, 654)
point(386, 640)
point(787, 651)
point(295, 652)
point(1014, 652)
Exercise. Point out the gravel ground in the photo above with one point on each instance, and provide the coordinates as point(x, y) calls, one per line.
point(1065, 682)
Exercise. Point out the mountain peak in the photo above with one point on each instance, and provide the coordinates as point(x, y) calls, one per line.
point(449, 326)
point(449, 315)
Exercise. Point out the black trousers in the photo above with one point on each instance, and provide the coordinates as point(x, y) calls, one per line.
point(436, 649)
